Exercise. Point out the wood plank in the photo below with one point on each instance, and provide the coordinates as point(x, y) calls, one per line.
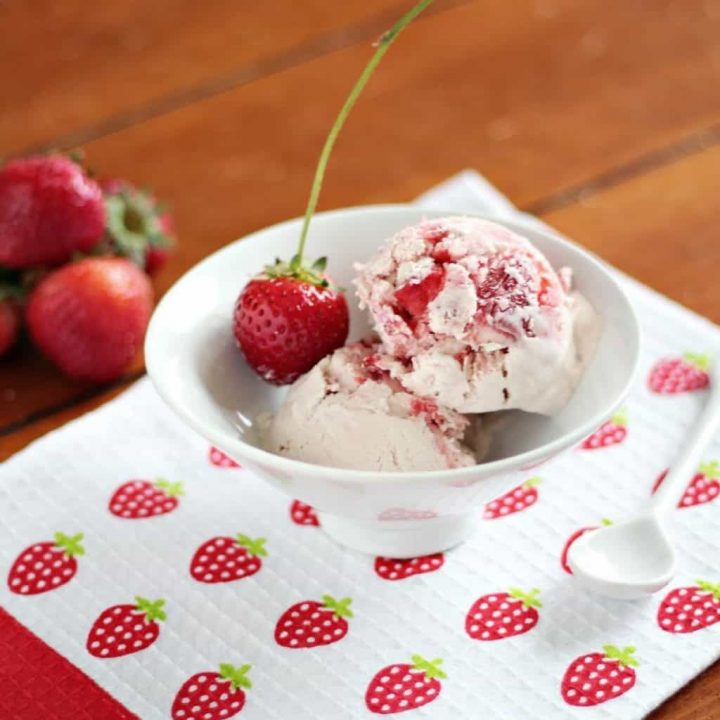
point(697, 701)
point(538, 100)
point(68, 65)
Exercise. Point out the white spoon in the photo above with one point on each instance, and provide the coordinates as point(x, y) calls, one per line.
point(634, 558)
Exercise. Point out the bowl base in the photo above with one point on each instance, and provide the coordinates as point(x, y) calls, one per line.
point(399, 538)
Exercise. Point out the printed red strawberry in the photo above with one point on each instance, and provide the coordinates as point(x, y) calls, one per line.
point(677, 375)
point(687, 609)
point(212, 695)
point(394, 569)
point(138, 499)
point(49, 209)
point(288, 319)
point(125, 629)
point(220, 459)
point(516, 500)
point(302, 514)
point(405, 686)
point(89, 317)
point(138, 226)
point(578, 533)
point(46, 565)
point(598, 677)
point(611, 432)
point(703, 488)
point(309, 623)
point(501, 615)
point(224, 559)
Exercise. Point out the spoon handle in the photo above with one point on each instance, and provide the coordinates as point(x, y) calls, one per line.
point(673, 486)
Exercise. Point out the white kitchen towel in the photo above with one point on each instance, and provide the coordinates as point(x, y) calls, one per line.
point(553, 661)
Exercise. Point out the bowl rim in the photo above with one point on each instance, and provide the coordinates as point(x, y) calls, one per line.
point(513, 463)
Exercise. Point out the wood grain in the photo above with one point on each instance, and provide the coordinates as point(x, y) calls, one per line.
point(67, 67)
point(539, 96)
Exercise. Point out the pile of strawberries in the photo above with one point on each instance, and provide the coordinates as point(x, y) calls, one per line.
point(75, 256)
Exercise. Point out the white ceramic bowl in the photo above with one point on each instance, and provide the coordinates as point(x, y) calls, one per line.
point(193, 361)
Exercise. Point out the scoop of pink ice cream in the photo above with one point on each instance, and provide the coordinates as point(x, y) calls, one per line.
point(348, 412)
point(474, 316)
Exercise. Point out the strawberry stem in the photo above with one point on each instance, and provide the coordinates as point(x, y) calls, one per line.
point(605, 522)
point(254, 547)
point(236, 676)
point(529, 599)
point(173, 489)
point(341, 608)
point(431, 668)
point(152, 608)
point(383, 44)
point(710, 470)
point(532, 482)
point(70, 543)
point(700, 360)
point(624, 656)
point(620, 417)
point(713, 588)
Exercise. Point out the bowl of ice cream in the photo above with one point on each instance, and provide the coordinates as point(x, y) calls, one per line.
point(478, 349)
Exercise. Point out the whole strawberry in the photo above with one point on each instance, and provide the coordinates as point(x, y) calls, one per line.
point(611, 432)
point(681, 374)
point(45, 565)
point(220, 459)
point(395, 569)
point(139, 499)
point(577, 534)
point(49, 209)
point(703, 488)
point(309, 623)
point(513, 501)
point(124, 629)
point(501, 615)
point(224, 559)
point(598, 677)
point(138, 226)
point(212, 695)
point(90, 317)
point(288, 319)
point(302, 514)
point(687, 609)
point(405, 686)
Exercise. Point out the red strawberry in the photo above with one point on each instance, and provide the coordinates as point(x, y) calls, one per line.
point(138, 226)
point(9, 324)
point(676, 375)
point(414, 296)
point(287, 320)
point(612, 432)
point(46, 565)
point(687, 609)
point(703, 488)
point(211, 695)
point(49, 209)
point(220, 459)
point(224, 559)
point(404, 686)
point(578, 533)
point(598, 677)
point(309, 623)
point(392, 569)
point(516, 500)
point(89, 317)
point(501, 615)
point(302, 514)
point(143, 499)
point(125, 629)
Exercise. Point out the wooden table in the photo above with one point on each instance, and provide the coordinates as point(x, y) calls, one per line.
point(601, 117)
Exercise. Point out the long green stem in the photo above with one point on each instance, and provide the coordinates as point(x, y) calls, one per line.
point(382, 47)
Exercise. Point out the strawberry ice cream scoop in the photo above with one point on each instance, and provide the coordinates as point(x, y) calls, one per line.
point(475, 317)
point(348, 412)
